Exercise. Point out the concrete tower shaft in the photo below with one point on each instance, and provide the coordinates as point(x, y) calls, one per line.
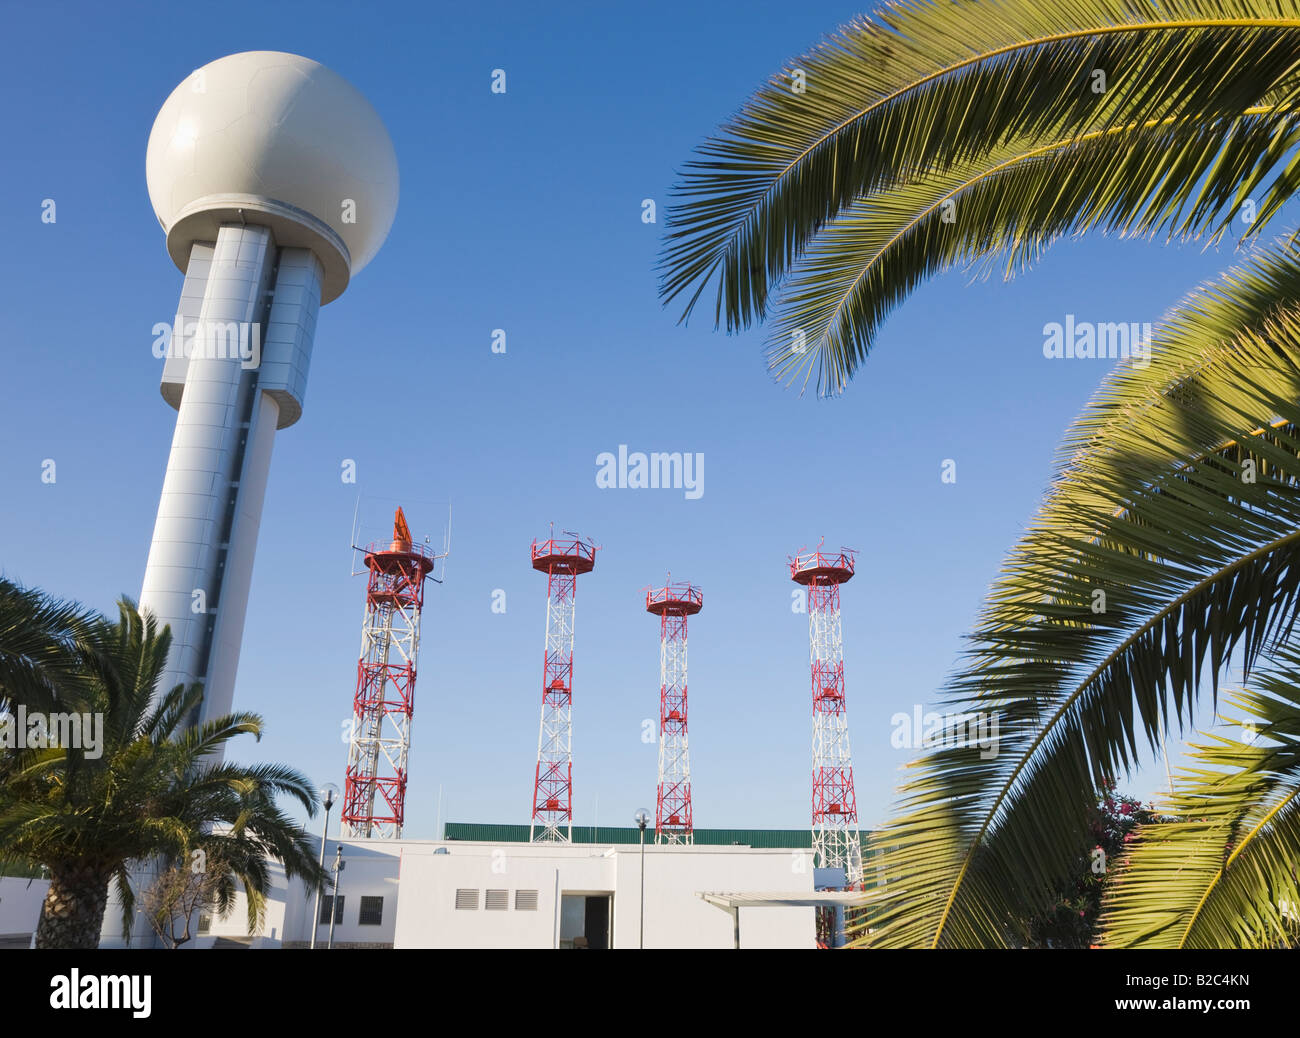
point(232, 391)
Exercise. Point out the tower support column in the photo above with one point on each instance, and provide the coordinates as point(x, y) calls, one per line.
point(374, 793)
point(835, 839)
point(552, 807)
point(212, 459)
point(674, 814)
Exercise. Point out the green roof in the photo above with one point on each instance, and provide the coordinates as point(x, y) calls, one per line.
point(776, 839)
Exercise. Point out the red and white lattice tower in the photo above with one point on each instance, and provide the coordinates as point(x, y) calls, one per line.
point(674, 822)
point(374, 794)
point(835, 839)
point(562, 560)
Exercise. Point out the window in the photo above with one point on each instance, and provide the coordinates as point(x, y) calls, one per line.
point(326, 902)
point(525, 901)
point(372, 911)
point(466, 899)
point(205, 923)
point(497, 900)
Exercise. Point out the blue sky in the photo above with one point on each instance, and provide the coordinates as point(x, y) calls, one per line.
point(522, 211)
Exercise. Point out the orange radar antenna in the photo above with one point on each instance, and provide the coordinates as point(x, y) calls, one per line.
point(401, 532)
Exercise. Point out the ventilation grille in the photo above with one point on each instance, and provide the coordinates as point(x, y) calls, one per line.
point(497, 900)
point(525, 901)
point(466, 899)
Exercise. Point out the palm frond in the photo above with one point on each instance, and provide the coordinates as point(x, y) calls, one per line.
point(1224, 876)
point(932, 85)
point(1195, 563)
point(1013, 203)
point(39, 667)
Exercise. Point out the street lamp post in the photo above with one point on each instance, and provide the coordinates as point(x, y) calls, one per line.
point(641, 817)
point(334, 899)
point(329, 793)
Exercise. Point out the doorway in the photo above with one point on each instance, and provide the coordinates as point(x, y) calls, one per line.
point(585, 920)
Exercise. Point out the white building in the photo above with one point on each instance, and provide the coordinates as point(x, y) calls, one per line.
point(486, 894)
point(563, 895)
point(503, 893)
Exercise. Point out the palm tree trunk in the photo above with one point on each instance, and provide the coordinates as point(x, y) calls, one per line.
point(73, 913)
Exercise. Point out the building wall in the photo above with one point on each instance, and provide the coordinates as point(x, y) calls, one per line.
point(370, 870)
point(20, 908)
point(427, 916)
point(674, 916)
point(418, 881)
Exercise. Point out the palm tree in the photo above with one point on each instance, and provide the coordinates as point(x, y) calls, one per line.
point(147, 791)
point(1169, 543)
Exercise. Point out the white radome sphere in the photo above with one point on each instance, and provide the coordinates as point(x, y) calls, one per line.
point(275, 139)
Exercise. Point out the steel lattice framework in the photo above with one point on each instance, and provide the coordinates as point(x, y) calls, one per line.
point(374, 794)
point(562, 561)
point(674, 822)
point(836, 843)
